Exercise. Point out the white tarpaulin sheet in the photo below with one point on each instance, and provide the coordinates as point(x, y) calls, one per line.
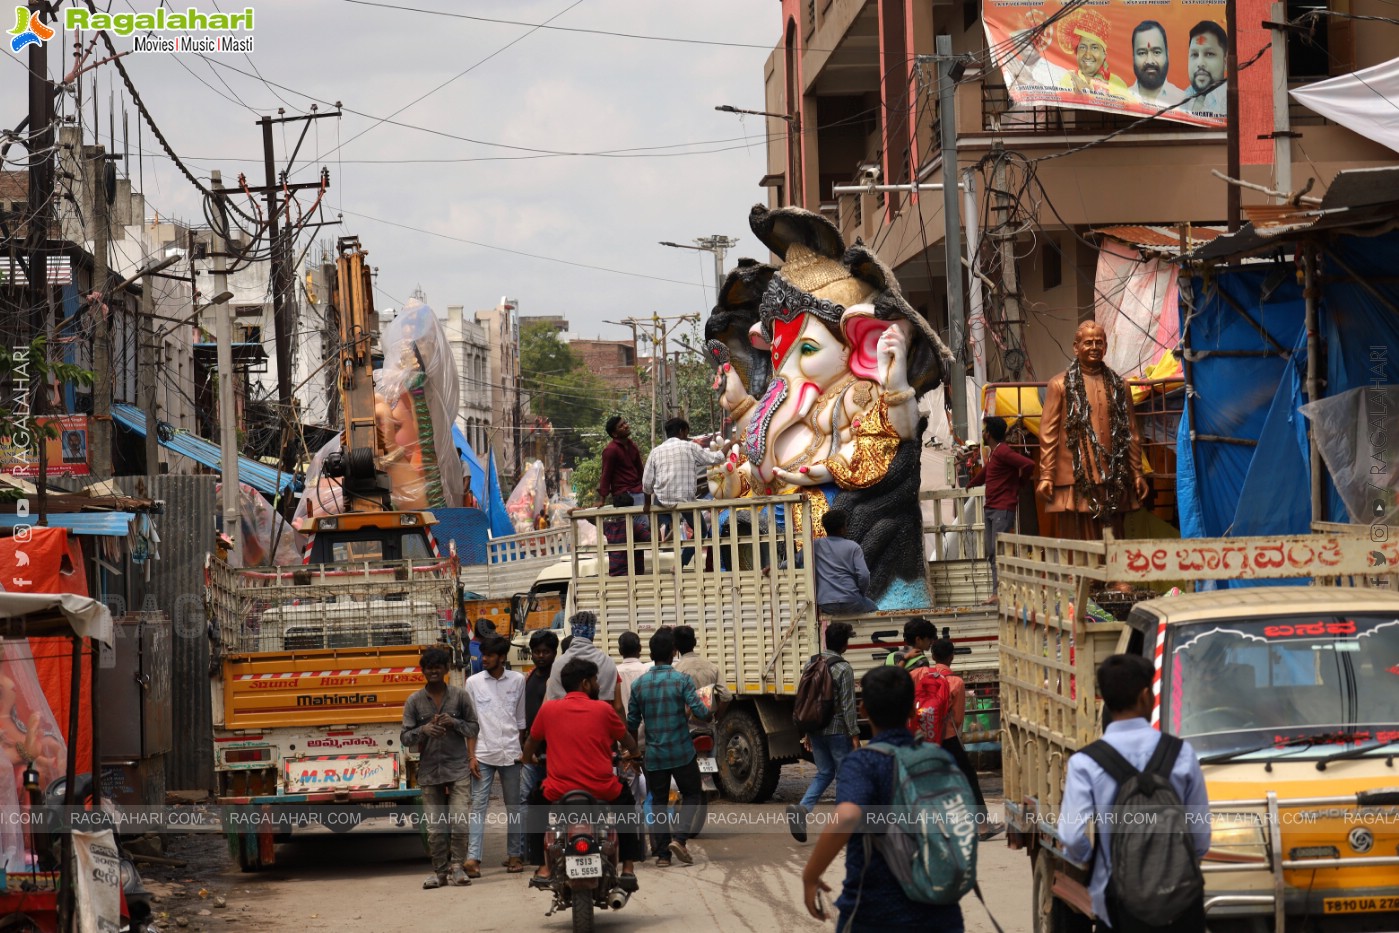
point(1363, 101)
point(1136, 306)
point(98, 882)
point(58, 614)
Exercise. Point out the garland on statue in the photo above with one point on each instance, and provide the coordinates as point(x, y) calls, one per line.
point(1078, 431)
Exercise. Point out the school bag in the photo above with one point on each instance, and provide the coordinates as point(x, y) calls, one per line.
point(815, 704)
point(932, 701)
point(1154, 876)
point(930, 841)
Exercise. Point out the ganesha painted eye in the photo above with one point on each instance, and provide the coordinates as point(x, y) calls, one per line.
point(807, 348)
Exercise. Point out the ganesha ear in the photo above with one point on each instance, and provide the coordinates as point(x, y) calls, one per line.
point(862, 330)
point(867, 267)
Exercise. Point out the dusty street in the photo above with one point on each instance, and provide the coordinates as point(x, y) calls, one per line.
point(369, 881)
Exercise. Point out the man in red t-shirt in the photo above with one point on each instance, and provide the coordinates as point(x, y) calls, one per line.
point(580, 731)
point(1005, 472)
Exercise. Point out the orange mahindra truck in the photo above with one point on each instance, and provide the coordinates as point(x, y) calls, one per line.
point(311, 666)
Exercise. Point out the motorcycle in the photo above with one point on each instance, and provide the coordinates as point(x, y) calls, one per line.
point(703, 737)
point(582, 848)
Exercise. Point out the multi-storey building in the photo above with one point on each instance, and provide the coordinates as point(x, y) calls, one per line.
point(471, 349)
point(612, 361)
point(852, 100)
point(502, 327)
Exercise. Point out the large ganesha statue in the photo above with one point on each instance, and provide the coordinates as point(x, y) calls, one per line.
point(821, 362)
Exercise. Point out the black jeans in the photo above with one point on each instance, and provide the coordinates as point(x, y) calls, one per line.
point(1192, 921)
point(691, 815)
point(953, 747)
point(629, 845)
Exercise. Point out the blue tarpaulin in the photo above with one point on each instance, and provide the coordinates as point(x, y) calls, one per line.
point(485, 485)
point(265, 479)
point(1229, 489)
point(111, 524)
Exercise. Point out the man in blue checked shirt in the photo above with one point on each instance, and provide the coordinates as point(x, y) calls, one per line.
point(660, 699)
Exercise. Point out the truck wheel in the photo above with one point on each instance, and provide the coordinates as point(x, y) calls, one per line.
point(1051, 914)
point(746, 773)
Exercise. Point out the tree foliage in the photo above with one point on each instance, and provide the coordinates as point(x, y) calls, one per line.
point(33, 365)
point(561, 388)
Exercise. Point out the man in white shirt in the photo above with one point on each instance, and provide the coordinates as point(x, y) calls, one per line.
point(1151, 61)
point(499, 697)
point(632, 667)
point(672, 473)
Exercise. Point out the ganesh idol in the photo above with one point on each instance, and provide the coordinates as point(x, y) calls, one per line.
point(821, 363)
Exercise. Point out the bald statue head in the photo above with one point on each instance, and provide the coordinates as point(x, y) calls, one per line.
point(1090, 346)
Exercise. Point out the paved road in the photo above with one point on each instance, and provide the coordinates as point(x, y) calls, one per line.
point(746, 880)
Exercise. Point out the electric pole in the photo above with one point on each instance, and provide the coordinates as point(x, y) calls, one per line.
point(661, 373)
point(1233, 193)
point(39, 151)
point(279, 251)
point(228, 429)
point(719, 246)
point(952, 236)
point(1005, 245)
point(101, 428)
point(150, 359)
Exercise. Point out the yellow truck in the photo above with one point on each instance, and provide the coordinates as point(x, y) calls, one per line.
point(1289, 695)
point(311, 666)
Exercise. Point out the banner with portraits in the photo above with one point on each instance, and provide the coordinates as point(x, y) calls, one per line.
point(1138, 58)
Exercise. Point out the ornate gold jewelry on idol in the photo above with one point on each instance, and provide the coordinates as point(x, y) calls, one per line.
point(743, 407)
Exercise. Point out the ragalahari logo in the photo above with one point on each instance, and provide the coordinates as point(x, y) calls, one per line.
point(29, 30)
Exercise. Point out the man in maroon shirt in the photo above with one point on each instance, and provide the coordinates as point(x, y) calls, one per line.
point(1005, 472)
point(621, 464)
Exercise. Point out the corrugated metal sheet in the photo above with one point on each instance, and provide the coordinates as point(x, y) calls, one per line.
point(176, 587)
point(260, 476)
point(115, 524)
point(1159, 239)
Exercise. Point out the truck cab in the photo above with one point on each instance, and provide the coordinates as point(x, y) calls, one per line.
point(1290, 696)
point(373, 536)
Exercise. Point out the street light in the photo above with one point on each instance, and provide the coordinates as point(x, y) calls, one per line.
point(719, 246)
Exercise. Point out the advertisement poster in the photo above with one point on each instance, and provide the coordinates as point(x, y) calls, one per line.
point(67, 452)
point(1130, 57)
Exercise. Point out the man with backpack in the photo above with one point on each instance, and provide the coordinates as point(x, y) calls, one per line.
point(943, 651)
point(825, 712)
point(919, 634)
point(917, 886)
point(1143, 880)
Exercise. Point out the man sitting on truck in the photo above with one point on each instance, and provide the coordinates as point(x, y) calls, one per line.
point(672, 473)
point(438, 720)
point(1124, 681)
point(918, 639)
point(842, 576)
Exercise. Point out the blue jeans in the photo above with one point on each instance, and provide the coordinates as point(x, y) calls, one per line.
point(828, 751)
point(480, 798)
point(531, 776)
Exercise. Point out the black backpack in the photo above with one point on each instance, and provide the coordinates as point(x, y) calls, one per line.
point(815, 704)
point(1154, 876)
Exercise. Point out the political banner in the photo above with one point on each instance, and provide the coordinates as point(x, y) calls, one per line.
point(66, 451)
point(1131, 57)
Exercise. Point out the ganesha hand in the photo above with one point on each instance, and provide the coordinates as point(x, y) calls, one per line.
point(813, 475)
point(892, 354)
point(733, 396)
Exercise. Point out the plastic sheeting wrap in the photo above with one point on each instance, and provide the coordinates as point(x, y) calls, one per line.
point(28, 729)
point(1136, 306)
point(258, 526)
point(1357, 432)
point(322, 495)
point(418, 388)
point(529, 501)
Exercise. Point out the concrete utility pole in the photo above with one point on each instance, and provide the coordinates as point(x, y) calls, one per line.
point(36, 238)
point(281, 273)
point(100, 432)
point(150, 359)
point(228, 428)
point(719, 246)
point(1233, 193)
point(952, 240)
point(975, 306)
point(661, 373)
point(1005, 245)
point(1282, 120)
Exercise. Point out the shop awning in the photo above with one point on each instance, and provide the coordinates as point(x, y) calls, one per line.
point(265, 479)
point(112, 524)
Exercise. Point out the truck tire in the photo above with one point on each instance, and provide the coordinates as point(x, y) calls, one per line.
point(1052, 915)
point(747, 774)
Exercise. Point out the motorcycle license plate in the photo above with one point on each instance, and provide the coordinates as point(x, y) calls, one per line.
point(708, 766)
point(1359, 905)
point(584, 866)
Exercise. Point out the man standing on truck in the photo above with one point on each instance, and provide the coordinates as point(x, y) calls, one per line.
point(1004, 472)
point(621, 464)
point(543, 648)
point(918, 638)
point(842, 576)
point(438, 721)
point(660, 699)
point(1124, 681)
point(499, 698)
point(841, 735)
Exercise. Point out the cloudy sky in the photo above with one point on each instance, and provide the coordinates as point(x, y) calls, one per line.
point(536, 89)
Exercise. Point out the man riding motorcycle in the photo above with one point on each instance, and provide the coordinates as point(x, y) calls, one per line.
point(580, 731)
